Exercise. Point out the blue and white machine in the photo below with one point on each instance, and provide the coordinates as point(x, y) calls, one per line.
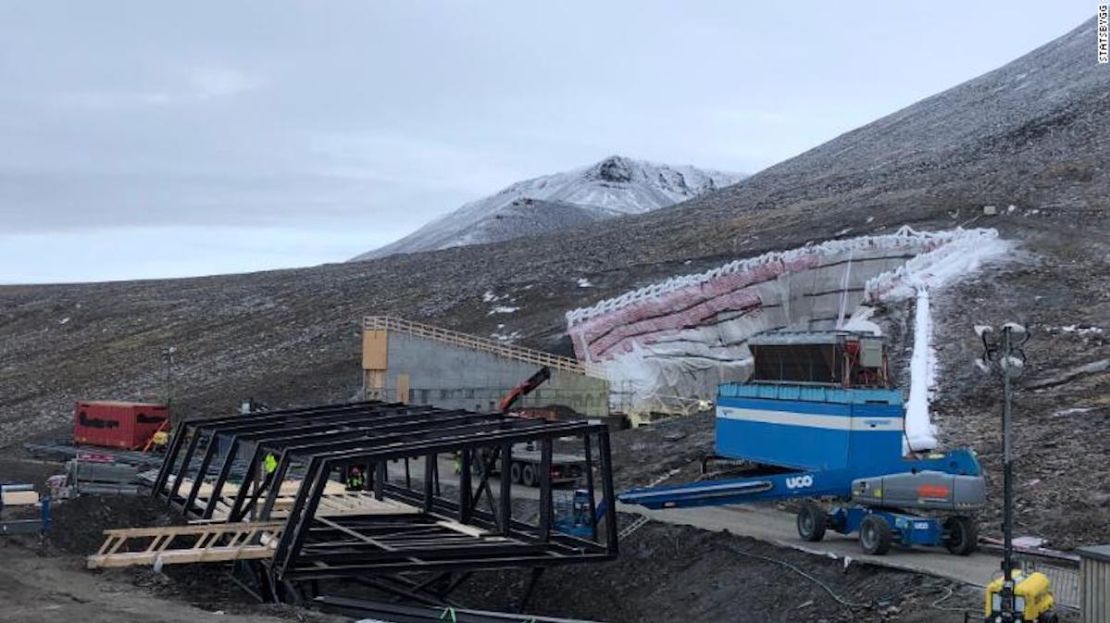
point(817, 422)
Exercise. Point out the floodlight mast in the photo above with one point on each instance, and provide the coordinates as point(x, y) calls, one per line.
point(1007, 354)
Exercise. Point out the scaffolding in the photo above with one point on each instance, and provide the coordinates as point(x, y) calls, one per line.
point(416, 535)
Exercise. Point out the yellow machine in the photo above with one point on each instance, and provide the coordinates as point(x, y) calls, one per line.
point(1033, 597)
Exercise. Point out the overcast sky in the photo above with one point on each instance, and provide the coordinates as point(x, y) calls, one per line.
point(151, 139)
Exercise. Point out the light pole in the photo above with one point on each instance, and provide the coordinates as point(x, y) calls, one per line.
point(167, 373)
point(1002, 350)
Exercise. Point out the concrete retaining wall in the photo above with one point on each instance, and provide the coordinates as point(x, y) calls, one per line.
point(453, 377)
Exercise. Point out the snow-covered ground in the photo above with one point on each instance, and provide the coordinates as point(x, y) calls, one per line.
point(920, 432)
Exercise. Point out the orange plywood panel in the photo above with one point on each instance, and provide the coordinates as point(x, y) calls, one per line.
point(375, 349)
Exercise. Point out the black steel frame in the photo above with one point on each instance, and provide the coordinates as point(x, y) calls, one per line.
point(315, 444)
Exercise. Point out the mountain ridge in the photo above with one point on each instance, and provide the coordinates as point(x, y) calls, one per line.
point(616, 185)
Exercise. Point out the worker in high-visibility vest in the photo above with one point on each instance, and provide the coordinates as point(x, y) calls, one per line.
point(354, 479)
point(270, 463)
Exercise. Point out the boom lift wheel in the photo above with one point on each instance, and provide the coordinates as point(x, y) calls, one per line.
point(961, 537)
point(875, 535)
point(811, 522)
point(514, 472)
point(528, 476)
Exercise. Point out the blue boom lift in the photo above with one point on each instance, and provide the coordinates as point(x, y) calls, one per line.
point(818, 421)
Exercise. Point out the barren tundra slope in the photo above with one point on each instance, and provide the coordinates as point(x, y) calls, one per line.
point(1032, 134)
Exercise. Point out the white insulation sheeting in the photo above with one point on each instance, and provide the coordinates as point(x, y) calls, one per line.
point(676, 340)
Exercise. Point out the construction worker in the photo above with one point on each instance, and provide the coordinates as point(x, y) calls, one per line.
point(270, 463)
point(354, 479)
point(457, 460)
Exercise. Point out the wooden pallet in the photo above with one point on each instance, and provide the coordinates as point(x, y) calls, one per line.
point(175, 545)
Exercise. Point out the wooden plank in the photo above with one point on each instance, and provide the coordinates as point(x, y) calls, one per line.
point(20, 498)
point(179, 557)
point(193, 529)
point(375, 350)
point(203, 549)
point(462, 528)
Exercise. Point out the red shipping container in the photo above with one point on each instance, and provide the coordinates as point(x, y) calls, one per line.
point(112, 424)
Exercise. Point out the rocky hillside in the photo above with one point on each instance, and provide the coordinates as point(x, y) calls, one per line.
point(612, 187)
point(531, 217)
point(1032, 134)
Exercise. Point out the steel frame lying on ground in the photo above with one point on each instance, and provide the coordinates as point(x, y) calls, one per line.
point(404, 530)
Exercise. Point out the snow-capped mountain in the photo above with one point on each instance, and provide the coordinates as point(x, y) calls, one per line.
point(612, 187)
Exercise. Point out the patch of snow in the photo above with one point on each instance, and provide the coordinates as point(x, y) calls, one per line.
point(502, 309)
point(1029, 542)
point(584, 283)
point(64, 320)
point(489, 297)
point(504, 337)
point(920, 432)
point(861, 321)
point(962, 254)
point(1078, 330)
point(1072, 411)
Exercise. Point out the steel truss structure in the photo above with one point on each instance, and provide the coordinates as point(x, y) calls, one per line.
point(404, 531)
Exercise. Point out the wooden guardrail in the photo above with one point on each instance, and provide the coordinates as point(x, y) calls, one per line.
point(473, 342)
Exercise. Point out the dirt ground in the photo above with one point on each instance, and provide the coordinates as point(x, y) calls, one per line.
point(664, 573)
point(56, 587)
point(675, 573)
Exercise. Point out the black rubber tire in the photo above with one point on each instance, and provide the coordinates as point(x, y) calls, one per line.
point(528, 475)
point(811, 522)
point(875, 536)
point(1048, 617)
point(961, 536)
point(514, 472)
